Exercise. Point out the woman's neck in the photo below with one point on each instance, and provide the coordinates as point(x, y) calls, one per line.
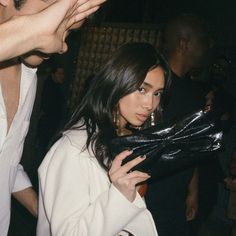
point(123, 131)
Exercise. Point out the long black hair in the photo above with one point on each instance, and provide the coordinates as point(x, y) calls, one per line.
point(121, 75)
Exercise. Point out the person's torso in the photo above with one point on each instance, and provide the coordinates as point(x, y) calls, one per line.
point(12, 139)
point(11, 142)
point(185, 97)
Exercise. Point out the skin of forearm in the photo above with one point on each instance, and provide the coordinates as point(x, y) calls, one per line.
point(17, 37)
point(193, 185)
point(29, 199)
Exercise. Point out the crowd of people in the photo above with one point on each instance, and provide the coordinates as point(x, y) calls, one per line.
point(83, 190)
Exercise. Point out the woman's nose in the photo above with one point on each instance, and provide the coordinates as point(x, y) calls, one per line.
point(148, 102)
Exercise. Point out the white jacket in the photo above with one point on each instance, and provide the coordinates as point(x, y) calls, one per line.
point(76, 197)
point(12, 175)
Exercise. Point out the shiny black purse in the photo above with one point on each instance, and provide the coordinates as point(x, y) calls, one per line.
point(172, 148)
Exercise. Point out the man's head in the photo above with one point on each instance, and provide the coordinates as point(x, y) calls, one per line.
point(186, 39)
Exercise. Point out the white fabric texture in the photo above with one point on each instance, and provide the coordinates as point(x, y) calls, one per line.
point(77, 198)
point(12, 175)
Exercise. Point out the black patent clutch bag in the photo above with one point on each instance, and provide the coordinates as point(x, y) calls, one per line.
point(172, 148)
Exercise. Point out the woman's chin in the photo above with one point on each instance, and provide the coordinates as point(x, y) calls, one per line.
point(136, 124)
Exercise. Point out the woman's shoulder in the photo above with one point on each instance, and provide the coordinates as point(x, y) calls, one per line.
point(76, 137)
point(70, 148)
point(72, 143)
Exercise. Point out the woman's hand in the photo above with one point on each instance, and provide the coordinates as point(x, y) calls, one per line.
point(124, 180)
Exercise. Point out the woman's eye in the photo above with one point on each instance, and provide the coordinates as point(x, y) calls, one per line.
point(158, 94)
point(141, 90)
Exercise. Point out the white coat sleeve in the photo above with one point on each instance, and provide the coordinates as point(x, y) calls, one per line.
point(22, 180)
point(65, 191)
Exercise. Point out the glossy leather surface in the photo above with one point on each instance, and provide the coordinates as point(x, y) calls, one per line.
point(172, 148)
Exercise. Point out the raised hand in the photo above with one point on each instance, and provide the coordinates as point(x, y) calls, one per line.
point(124, 180)
point(44, 31)
point(67, 15)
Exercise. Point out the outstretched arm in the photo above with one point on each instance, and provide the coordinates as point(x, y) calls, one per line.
point(192, 197)
point(29, 199)
point(44, 31)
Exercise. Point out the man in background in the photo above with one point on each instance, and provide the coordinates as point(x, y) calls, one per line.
point(173, 201)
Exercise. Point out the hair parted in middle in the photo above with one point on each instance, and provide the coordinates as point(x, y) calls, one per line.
point(121, 75)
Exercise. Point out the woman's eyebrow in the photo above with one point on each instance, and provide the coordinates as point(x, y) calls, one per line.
point(150, 86)
point(147, 84)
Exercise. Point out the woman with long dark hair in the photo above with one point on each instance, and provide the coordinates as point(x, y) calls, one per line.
point(83, 190)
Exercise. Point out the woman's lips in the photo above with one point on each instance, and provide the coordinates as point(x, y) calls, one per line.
point(142, 117)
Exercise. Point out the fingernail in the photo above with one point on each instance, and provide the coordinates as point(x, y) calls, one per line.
point(143, 156)
point(130, 151)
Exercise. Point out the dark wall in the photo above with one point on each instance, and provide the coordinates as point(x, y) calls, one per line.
point(220, 14)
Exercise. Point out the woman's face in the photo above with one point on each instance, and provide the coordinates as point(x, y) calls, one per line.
point(136, 107)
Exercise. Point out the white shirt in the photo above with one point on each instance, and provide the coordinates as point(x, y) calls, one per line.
point(12, 175)
point(76, 197)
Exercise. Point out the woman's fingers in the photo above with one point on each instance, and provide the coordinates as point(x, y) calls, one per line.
point(136, 177)
point(119, 171)
point(116, 164)
point(127, 184)
point(137, 174)
point(129, 165)
point(125, 180)
point(123, 169)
